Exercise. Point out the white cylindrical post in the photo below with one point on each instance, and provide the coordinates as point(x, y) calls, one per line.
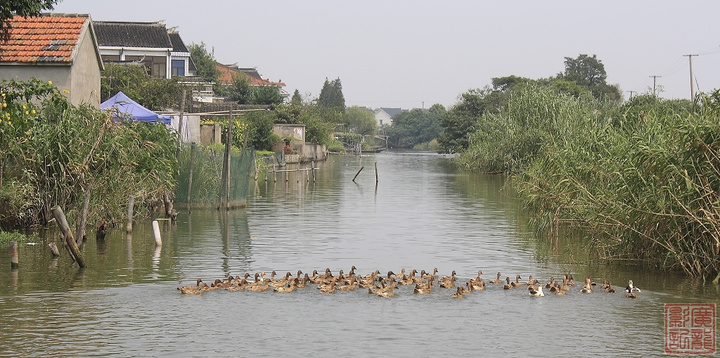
point(156, 231)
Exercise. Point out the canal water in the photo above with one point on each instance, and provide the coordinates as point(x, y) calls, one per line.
point(403, 210)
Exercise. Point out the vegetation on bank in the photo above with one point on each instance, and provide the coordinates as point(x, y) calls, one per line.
point(52, 151)
point(643, 177)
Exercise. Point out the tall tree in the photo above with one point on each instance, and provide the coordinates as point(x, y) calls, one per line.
point(416, 126)
point(296, 99)
point(589, 72)
point(204, 62)
point(331, 95)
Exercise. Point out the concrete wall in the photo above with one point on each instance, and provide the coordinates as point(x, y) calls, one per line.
point(85, 74)
point(210, 133)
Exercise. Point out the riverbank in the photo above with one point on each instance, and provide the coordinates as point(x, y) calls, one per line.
point(642, 177)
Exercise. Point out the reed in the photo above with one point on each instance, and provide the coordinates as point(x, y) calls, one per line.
point(642, 179)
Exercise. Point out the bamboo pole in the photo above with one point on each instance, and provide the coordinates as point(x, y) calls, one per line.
point(312, 164)
point(228, 164)
point(69, 241)
point(13, 255)
point(83, 218)
point(361, 168)
point(181, 120)
point(131, 204)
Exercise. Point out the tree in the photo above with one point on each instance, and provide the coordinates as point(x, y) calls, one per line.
point(331, 95)
point(133, 80)
point(296, 99)
point(204, 62)
point(27, 8)
point(416, 126)
point(240, 90)
point(267, 95)
point(360, 121)
point(589, 72)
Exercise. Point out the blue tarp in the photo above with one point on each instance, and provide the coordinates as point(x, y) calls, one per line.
point(129, 109)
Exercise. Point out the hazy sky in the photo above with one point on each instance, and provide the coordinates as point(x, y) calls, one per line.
point(413, 53)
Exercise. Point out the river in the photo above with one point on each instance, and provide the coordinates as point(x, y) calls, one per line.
point(421, 213)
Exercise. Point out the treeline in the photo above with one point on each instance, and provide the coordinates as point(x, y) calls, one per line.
point(643, 177)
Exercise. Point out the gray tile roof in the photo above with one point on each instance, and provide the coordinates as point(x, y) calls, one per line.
point(132, 34)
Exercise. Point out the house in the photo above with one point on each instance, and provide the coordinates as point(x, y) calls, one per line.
point(61, 48)
point(150, 44)
point(384, 116)
point(228, 72)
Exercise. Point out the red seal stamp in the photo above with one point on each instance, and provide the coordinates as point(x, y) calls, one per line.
point(690, 328)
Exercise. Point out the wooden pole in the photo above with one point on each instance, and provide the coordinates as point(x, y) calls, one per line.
point(156, 232)
point(83, 218)
point(312, 165)
point(131, 204)
point(69, 241)
point(13, 255)
point(54, 250)
point(376, 173)
point(361, 168)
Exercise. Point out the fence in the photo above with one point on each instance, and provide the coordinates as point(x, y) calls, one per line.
point(200, 180)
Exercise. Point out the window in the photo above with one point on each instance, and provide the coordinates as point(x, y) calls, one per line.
point(178, 68)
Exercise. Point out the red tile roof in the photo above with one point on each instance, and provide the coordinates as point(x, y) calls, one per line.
point(48, 38)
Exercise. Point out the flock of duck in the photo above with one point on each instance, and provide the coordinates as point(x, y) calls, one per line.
point(384, 286)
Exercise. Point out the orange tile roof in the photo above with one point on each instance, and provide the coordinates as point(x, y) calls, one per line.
point(47, 38)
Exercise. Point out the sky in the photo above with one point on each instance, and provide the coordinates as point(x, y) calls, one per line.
point(416, 53)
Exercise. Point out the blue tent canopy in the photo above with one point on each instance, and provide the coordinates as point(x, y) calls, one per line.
point(131, 109)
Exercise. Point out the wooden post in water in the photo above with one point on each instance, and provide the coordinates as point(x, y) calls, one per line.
point(69, 241)
point(156, 232)
point(131, 204)
point(361, 168)
point(376, 173)
point(54, 250)
point(83, 218)
point(312, 166)
point(13, 255)
point(228, 164)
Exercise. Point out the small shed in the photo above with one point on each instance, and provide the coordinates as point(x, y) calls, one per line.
point(57, 48)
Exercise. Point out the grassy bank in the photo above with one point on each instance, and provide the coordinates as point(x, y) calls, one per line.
point(641, 177)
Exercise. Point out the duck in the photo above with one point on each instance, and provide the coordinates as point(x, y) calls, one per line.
point(559, 292)
point(190, 289)
point(448, 281)
point(609, 288)
point(477, 285)
point(459, 293)
point(536, 292)
point(508, 285)
point(630, 295)
point(497, 280)
point(408, 279)
point(289, 288)
point(389, 292)
point(281, 282)
point(424, 288)
point(262, 287)
point(530, 281)
point(517, 281)
point(631, 287)
point(330, 288)
point(349, 286)
point(552, 283)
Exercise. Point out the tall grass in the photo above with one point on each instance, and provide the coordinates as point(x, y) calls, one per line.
point(644, 178)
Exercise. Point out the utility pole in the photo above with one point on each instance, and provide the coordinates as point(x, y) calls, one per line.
point(631, 94)
point(654, 82)
point(692, 87)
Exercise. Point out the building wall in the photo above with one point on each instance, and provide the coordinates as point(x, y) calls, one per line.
point(58, 74)
point(85, 76)
point(382, 118)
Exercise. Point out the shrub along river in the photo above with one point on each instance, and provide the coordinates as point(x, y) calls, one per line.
point(422, 214)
